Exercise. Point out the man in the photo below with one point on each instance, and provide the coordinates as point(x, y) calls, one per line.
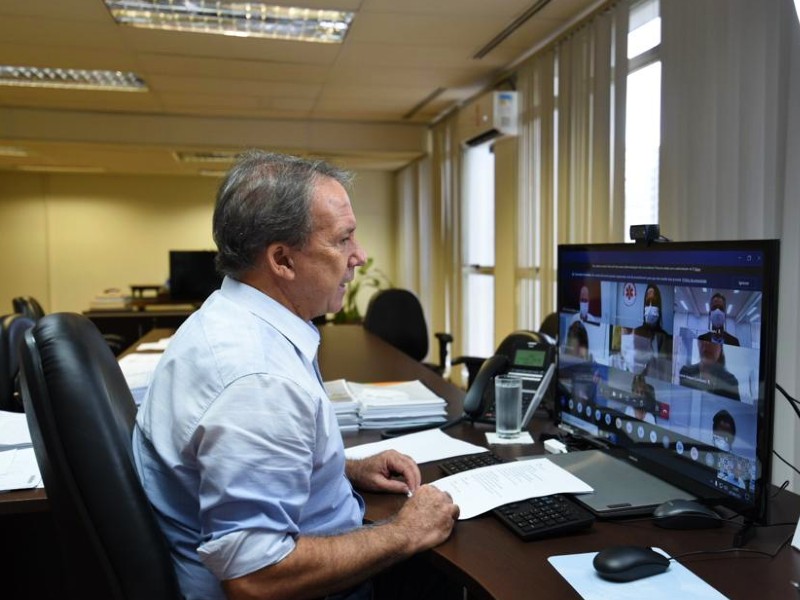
point(236, 444)
point(717, 316)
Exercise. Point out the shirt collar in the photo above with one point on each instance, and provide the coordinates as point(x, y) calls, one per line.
point(302, 334)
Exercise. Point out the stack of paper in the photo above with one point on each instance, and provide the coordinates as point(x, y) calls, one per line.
point(398, 405)
point(18, 467)
point(110, 299)
point(138, 368)
point(344, 404)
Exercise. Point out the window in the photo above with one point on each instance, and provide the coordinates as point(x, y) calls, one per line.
point(642, 115)
point(478, 251)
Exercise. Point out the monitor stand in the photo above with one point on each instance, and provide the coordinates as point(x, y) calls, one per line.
point(620, 488)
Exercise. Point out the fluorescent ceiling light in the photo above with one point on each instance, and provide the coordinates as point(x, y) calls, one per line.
point(226, 17)
point(207, 157)
point(58, 169)
point(12, 151)
point(73, 79)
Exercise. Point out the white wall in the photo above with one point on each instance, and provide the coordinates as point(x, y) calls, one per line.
point(64, 238)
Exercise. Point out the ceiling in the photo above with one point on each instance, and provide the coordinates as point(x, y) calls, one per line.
point(365, 103)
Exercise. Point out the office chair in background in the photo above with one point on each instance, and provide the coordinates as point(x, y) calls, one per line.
point(395, 315)
point(12, 329)
point(81, 414)
point(28, 306)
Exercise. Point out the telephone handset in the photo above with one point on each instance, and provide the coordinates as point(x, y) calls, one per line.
point(524, 354)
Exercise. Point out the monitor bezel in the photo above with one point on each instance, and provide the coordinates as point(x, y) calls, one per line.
point(757, 509)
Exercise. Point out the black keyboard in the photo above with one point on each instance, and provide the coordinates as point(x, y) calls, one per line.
point(530, 519)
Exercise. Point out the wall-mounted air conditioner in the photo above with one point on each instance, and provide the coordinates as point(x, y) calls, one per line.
point(490, 116)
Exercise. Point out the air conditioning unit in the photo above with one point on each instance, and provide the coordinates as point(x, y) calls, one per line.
point(491, 116)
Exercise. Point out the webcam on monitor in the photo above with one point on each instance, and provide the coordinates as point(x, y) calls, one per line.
point(646, 234)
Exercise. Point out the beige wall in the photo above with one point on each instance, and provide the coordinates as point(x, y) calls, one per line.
point(64, 238)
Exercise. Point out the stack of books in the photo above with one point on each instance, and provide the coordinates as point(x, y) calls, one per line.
point(110, 299)
point(390, 405)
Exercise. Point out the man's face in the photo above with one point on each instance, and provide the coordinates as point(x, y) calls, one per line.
point(709, 351)
point(327, 262)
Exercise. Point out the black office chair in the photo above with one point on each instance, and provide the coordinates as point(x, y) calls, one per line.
point(395, 315)
point(81, 414)
point(12, 329)
point(28, 306)
point(550, 326)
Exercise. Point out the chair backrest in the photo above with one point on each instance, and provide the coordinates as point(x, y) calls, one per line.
point(395, 315)
point(81, 414)
point(28, 306)
point(550, 326)
point(12, 329)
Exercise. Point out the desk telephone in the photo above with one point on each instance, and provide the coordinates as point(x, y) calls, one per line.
point(524, 354)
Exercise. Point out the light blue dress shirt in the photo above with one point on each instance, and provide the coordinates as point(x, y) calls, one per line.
point(237, 444)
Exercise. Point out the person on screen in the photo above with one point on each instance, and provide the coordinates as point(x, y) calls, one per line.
point(577, 344)
point(723, 433)
point(644, 399)
point(237, 445)
point(583, 307)
point(710, 374)
point(717, 316)
point(656, 352)
point(583, 374)
point(723, 430)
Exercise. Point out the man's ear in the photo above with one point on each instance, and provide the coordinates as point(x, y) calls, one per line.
point(278, 258)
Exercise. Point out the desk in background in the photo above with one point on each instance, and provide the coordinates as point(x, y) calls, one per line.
point(482, 554)
point(133, 325)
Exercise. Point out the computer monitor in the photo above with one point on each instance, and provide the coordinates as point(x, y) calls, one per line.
point(192, 275)
point(667, 353)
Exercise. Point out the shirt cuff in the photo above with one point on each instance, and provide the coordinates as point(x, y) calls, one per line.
point(240, 553)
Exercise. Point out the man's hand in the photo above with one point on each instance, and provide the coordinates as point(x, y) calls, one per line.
point(388, 471)
point(427, 518)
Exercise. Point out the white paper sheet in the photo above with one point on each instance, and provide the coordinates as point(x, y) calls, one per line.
point(138, 368)
point(676, 582)
point(19, 469)
point(480, 490)
point(423, 446)
point(13, 430)
point(158, 346)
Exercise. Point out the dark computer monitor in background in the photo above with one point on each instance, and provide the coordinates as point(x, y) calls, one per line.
point(192, 275)
point(667, 354)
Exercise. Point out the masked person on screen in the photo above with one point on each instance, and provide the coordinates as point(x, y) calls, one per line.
point(717, 317)
point(648, 348)
point(237, 445)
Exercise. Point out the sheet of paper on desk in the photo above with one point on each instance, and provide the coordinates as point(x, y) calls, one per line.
point(423, 446)
point(480, 490)
point(158, 346)
point(18, 469)
point(13, 430)
point(675, 582)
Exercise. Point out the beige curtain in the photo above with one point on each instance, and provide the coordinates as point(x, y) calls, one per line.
point(730, 151)
point(427, 217)
point(571, 152)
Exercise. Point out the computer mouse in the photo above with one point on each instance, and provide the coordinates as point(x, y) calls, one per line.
point(686, 514)
point(628, 563)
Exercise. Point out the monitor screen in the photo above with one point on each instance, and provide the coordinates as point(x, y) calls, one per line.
point(192, 275)
point(667, 353)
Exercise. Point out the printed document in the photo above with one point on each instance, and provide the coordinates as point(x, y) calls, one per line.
point(480, 490)
point(423, 446)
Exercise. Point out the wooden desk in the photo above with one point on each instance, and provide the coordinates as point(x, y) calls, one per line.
point(492, 563)
point(486, 557)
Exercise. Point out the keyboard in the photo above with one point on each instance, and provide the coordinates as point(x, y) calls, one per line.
point(530, 519)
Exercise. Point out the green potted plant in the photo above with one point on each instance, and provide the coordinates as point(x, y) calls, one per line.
point(367, 277)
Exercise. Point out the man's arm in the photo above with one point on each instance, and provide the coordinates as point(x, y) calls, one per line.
point(323, 565)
